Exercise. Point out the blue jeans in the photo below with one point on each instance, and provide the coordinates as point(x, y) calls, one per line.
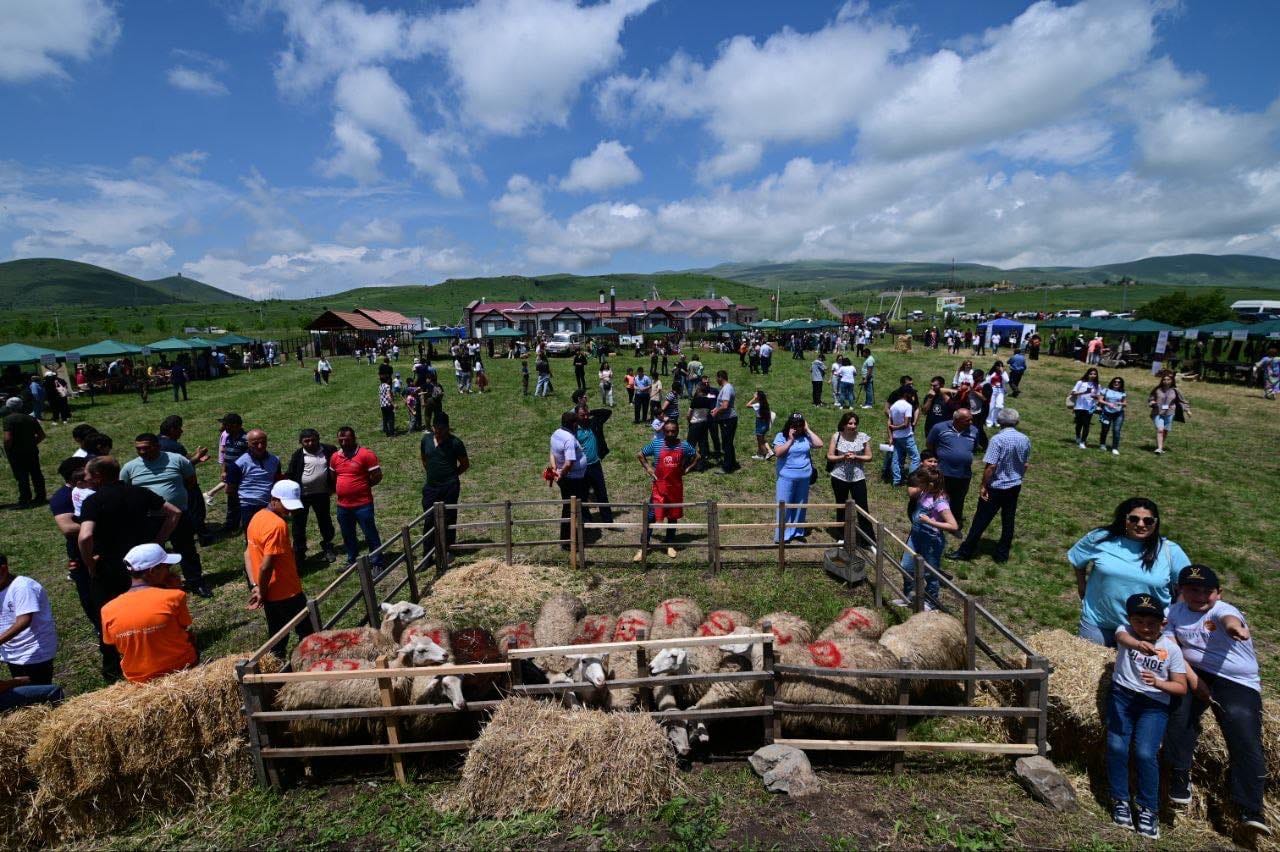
point(1138, 720)
point(1112, 423)
point(347, 520)
point(844, 394)
point(871, 387)
point(905, 449)
point(23, 696)
point(1097, 635)
point(793, 491)
point(928, 542)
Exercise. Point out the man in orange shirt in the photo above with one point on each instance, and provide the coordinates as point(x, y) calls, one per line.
point(149, 624)
point(271, 566)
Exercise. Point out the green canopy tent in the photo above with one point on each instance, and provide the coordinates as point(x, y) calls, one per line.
point(661, 330)
point(225, 340)
point(435, 334)
point(202, 343)
point(1269, 330)
point(1146, 326)
point(170, 344)
point(21, 353)
point(1219, 328)
point(1058, 322)
point(792, 325)
point(602, 331)
point(507, 332)
point(108, 349)
point(729, 328)
point(765, 325)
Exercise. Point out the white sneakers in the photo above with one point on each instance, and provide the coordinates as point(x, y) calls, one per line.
point(1082, 446)
point(1115, 452)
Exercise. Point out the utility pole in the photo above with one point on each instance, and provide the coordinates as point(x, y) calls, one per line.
point(777, 302)
point(57, 328)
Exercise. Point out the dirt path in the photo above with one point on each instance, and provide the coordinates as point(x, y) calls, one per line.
point(830, 305)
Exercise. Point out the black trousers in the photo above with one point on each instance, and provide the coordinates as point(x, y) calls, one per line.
point(233, 511)
point(1084, 419)
point(318, 503)
point(176, 387)
point(278, 614)
point(641, 402)
point(957, 488)
point(858, 492)
point(580, 376)
point(765, 364)
point(1005, 502)
point(41, 674)
point(729, 458)
point(109, 583)
point(448, 493)
point(569, 487)
point(1238, 710)
point(817, 392)
point(697, 437)
point(26, 470)
point(183, 539)
point(388, 420)
point(1015, 381)
point(598, 492)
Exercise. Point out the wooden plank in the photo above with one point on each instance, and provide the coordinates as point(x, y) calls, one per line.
point(773, 724)
point(907, 745)
point(365, 674)
point(410, 565)
point(878, 587)
point(258, 739)
point(442, 539)
point(574, 520)
point(372, 613)
point(719, 713)
point(970, 644)
point(653, 680)
point(781, 534)
point(900, 722)
point(608, 647)
point(508, 531)
point(908, 710)
point(644, 694)
point(922, 674)
point(338, 713)
point(392, 723)
point(354, 750)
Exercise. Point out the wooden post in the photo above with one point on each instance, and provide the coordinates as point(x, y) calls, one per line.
point(772, 722)
point(713, 536)
point(442, 539)
point(970, 646)
point(878, 588)
point(644, 536)
point(574, 508)
point(917, 600)
point(782, 536)
point(392, 722)
point(645, 695)
point(517, 673)
point(580, 517)
point(850, 530)
point(510, 535)
point(1038, 698)
point(410, 568)
point(258, 738)
point(1031, 699)
point(373, 613)
point(313, 611)
point(900, 722)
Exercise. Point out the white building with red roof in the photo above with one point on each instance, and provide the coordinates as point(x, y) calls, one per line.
point(626, 316)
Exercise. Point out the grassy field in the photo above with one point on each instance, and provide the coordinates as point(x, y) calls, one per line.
point(1217, 489)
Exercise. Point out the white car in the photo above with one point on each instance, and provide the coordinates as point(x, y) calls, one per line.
point(564, 342)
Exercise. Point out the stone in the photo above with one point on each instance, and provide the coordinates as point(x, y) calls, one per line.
point(1045, 783)
point(785, 769)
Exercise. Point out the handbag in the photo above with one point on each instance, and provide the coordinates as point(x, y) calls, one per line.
point(1178, 416)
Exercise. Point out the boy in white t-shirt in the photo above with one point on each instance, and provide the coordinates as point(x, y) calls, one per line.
point(1149, 670)
point(1222, 673)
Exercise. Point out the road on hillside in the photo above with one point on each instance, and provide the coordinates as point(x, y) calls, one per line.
point(831, 306)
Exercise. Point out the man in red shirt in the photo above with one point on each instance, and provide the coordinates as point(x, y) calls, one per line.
point(150, 624)
point(271, 566)
point(356, 471)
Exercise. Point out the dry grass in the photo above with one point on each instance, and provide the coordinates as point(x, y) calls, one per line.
point(491, 592)
point(17, 733)
point(534, 756)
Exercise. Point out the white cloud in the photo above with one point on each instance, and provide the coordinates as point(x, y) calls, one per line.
point(734, 159)
point(327, 38)
point(376, 230)
point(358, 153)
point(37, 35)
point(146, 261)
point(607, 167)
point(1068, 144)
point(195, 80)
point(1191, 137)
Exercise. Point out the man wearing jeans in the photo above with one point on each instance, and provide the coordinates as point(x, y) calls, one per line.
point(1006, 465)
point(268, 558)
point(725, 419)
point(309, 467)
point(868, 377)
point(444, 459)
point(356, 471)
point(906, 455)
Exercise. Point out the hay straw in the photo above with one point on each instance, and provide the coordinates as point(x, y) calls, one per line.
point(491, 591)
point(17, 733)
point(535, 756)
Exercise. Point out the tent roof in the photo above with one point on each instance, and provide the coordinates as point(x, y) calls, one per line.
point(1225, 325)
point(1265, 329)
point(1002, 322)
point(21, 353)
point(232, 339)
point(170, 344)
point(506, 332)
point(661, 329)
point(766, 323)
point(108, 349)
point(602, 331)
point(729, 327)
point(203, 343)
point(436, 334)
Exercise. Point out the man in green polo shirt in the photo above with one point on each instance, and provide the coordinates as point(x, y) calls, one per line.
point(444, 458)
point(170, 475)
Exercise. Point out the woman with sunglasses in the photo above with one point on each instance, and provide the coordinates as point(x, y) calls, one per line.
point(1126, 557)
point(793, 447)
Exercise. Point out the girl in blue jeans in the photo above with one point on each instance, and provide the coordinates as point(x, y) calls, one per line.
point(930, 518)
point(1149, 671)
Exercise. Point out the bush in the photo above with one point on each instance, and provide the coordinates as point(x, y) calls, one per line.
point(1186, 311)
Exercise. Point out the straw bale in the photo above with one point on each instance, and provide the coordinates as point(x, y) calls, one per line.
point(858, 622)
point(722, 622)
point(676, 618)
point(349, 643)
point(535, 756)
point(814, 689)
point(17, 781)
point(929, 640)
point(787, 628)
point(493, 591)
point(105, 757)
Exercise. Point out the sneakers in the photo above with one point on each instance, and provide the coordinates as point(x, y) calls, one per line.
point(1180, 788)
point(1257, 822)
point(901, 603)
point(1159, 451)
point(639, 557)
point(757, 458)
point(1147, 824)
point(928, 606)
point(1102, 447)
point(1120, 814)
point(672, 552)
point(1082, 446)
point(1115, 452)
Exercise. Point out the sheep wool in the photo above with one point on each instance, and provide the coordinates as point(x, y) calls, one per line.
point(558, 620)
point(721, 622)
point(623, 666)
point(521, 633)
point(594, 629)
point(355, 643)
point(436, 631)
point(333, 694)
point(629, 624)
point(676, 618)
point(789, 630)
point(855, 622)
point(815, 689)
point(929, 641)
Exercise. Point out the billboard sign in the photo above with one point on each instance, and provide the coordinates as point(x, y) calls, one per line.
point(950, 303)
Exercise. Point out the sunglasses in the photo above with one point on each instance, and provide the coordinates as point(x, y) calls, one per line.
point(1139, 520)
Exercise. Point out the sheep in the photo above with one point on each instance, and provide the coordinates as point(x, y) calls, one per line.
point(396, 616)
point(518, 635)
point(627, 628)
point(594, 629)
point(788, 629)
point(629, 624)
point(476, 645)
point(436, 631)
point(855, 622)
point(815, 689)
point(676, 618)
point(698, 659)
point(721, 622)
point(929, 641)
point(558, 620)
point(353, 643)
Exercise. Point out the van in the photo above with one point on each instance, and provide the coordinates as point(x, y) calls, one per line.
point(1069, 314)
point(564, 342)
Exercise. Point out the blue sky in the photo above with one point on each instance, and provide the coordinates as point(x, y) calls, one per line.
point(294, 147)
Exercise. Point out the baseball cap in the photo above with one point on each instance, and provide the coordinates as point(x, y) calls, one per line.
point(289, 493)
point(1143, 604)
point(1198, 575)
point(143, 557)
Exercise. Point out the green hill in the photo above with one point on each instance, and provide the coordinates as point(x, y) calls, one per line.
point(49, 282)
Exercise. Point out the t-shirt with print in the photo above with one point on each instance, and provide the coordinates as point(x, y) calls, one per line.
point(148, 626)
point(1207, 647)
point(268, 535)
point(1084, 392)
point(353, 487)
point(1111, 400)
point(315, 472)
point(39, 642)
point(1130, 663)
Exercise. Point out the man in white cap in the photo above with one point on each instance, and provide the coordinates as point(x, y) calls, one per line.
point(271, 565)
point(150, 624)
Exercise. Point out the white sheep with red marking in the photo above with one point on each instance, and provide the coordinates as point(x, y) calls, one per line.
point(789, 630)
point(855, 622)
point(816, 689)
point(397, 616)
point(675, 618)
point(351, 643)
point(631, 624)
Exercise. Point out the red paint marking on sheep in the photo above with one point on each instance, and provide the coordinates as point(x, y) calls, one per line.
point(825, 654)
point(334, 666)
point(854, 620)
point(669, 613)
point(628, 628)
point(782, 638)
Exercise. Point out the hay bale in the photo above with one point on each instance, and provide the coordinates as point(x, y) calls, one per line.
point(558, 620)
point(535, 756)
point(814, 689)
point(855, 622)
point(787, 628)
point(350, 643)
point(493, 591)
point(929, 641)
point(17, 781)
point(722, 622)
point(676, 618)
point(104, 758)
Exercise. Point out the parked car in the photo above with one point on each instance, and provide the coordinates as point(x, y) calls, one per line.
point(564, 342)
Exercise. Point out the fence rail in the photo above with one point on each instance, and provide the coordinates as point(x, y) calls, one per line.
point(408, 563)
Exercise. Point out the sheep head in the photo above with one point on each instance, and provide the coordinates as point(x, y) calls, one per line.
point(589, 668)
point(397, 615)
point(421, 652)
point(670, 661)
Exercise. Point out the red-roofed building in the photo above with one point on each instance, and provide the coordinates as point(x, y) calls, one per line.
point(387, 319)
point(361, 320)
point(628, 316)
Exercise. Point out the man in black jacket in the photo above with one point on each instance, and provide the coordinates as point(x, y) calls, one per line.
point(309, 467)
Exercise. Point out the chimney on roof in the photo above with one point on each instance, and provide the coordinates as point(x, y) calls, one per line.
point(602, 297)
point(613, 301)
point(645, 304)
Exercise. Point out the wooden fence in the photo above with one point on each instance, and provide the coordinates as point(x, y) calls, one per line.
point(420, 552)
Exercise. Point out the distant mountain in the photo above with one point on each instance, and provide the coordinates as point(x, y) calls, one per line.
point(50, 282)
point(1186, 270)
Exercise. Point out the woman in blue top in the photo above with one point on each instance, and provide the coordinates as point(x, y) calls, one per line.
point(1111, 405)
point(1129, 557)
point(1084, 398)
point(792, 447)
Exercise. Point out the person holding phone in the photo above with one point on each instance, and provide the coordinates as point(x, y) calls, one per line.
point(793, 447)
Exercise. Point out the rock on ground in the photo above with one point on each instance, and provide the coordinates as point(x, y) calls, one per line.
point(785, 769)
point(1045, 783)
